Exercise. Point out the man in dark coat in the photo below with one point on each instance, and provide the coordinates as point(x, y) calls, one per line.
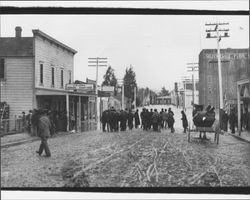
point(224, 119)
point(155, 120)
point(232, 120)
point(171, 120)
point(28, 118)
point(130, 119)
point(150, 117)
point(112, 120)
point(108, 117)
point(147, 119)
point(246, 119)
point(137, 119)
point(116, 122)
point(104, 120)
point(44, 127)
point(184, 121)
point(161, 119)
point(123, 119)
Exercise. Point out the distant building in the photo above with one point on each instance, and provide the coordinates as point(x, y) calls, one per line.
point(34, 72)
point(186, 94)
point(235, 77)
point(163, 100)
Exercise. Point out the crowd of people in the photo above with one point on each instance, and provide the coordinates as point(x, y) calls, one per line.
point(42, 123)
point(232, 118)
point(121, 120)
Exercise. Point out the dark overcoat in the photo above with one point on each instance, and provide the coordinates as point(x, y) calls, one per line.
point(44, 126)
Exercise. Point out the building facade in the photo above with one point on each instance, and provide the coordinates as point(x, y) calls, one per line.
point(235, 79)
point(34, 74)
point(163, 100)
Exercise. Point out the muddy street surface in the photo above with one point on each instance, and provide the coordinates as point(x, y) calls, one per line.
point(128, 159)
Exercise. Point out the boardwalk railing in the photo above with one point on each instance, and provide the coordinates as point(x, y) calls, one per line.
point(12, 126)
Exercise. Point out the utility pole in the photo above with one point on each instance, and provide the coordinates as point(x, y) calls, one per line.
point(97, 62)
point(218, 37)
point(192, 67)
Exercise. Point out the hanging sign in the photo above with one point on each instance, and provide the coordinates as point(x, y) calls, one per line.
point(108, 88)
point(80, 87)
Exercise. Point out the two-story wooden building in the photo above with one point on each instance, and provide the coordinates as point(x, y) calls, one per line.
point(34, 72)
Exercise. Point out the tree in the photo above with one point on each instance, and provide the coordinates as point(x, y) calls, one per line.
point(129, 83)
point(110, 79)
point(164, 92)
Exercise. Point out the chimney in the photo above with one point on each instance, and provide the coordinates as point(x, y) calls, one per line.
point(18, 32)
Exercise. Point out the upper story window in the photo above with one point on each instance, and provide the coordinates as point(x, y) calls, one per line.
point(2, 68)
point(70, 77)
point(52, 76)
point(41, 73)
point(61, 78)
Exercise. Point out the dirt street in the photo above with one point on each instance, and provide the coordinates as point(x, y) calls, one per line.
point(128, 159)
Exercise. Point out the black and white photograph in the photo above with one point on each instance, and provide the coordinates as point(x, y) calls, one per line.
point(126, 96)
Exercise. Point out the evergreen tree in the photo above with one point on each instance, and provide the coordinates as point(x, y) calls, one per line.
point(110, 79)
point(129, 83)
point(164, 92)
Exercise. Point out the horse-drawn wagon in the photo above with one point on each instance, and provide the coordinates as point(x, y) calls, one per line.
point(204, 123)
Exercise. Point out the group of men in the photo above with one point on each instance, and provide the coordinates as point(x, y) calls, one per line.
point(232, 118)
point(157, 120)
point(116, 120)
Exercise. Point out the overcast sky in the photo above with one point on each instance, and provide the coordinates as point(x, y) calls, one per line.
point(158, 47)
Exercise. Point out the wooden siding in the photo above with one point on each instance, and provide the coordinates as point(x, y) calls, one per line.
point(52, 56)
point(17, 89)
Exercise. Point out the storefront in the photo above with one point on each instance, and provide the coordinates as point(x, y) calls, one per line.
point(243, 100)
point(71, 110)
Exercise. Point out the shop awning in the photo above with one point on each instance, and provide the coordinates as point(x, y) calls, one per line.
point(52, 92)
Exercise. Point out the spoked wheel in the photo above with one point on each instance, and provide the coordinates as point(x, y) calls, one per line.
point(218, 136)
point(189, 134)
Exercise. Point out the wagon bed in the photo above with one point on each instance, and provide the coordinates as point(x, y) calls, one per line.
point(204, 130)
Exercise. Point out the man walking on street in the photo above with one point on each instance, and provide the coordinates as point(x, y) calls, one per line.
point(184, 121)
point(44, 127)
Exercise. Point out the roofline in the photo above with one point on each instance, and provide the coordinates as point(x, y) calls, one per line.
point(223, 49)
point(42, 34)
point(14, 37)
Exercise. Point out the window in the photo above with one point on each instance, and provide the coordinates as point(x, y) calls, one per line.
point(41, 73)
point(69, 76)
point(62, 78)
point(2, 69)
point(52, 76)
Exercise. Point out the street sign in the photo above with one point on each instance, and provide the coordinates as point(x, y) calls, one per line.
point(80, 87)
point(108, 88)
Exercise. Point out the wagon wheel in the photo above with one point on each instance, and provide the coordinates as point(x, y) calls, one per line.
point(218, 136)
point(189, 134)
point(215, 136)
